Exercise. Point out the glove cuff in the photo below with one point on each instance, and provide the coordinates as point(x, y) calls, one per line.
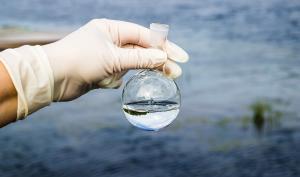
point(32, 76)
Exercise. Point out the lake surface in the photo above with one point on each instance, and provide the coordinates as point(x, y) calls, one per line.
point(240, 90)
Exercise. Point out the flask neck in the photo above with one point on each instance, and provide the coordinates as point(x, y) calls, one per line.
point(158, 35)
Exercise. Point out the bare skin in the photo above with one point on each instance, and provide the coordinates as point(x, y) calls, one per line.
point(8, 98)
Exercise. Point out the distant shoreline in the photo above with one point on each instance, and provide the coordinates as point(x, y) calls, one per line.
point(14, 37)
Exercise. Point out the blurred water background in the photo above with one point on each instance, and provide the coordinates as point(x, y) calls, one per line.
point(240, 111)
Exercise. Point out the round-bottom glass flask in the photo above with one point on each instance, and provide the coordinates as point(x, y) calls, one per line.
point(150, 100)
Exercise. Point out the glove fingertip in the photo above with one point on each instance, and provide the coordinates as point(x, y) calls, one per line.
point(176, 53)
point(172, 70)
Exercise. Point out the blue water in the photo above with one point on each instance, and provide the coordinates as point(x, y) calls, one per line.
point(242, 52)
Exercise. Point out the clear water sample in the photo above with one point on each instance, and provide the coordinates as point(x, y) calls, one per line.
point(151, 116)
point(150, 100)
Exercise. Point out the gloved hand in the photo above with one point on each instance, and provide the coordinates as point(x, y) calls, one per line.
point(97, 55)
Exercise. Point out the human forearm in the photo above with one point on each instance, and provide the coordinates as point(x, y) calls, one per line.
point(8, 98)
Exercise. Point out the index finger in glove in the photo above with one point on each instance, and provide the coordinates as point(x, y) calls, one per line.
point(124, 33)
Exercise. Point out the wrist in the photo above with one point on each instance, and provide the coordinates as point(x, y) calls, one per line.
point(8, 98)
point(32, 77)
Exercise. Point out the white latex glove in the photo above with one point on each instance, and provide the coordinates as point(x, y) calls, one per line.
point(97, 55)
